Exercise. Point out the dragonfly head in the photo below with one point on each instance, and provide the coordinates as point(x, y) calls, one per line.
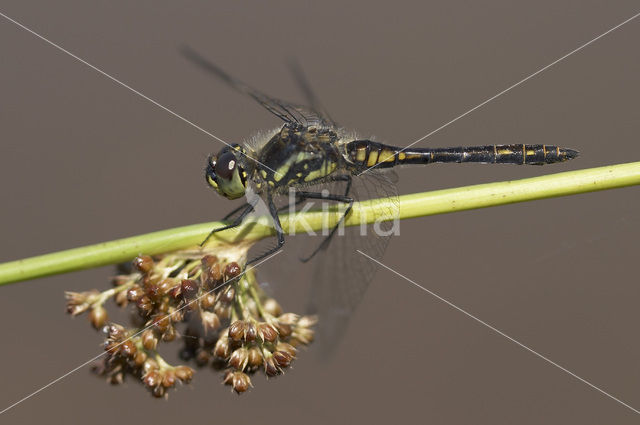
point(226, 174)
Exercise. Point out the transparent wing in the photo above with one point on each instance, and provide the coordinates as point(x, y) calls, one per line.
point(292, 114)
point(309, 94)
point(341, 274)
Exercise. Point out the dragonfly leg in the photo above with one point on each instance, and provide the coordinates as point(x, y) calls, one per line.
point(330, 197)
point(235, 211)
point(246, 209)
point(273, 210)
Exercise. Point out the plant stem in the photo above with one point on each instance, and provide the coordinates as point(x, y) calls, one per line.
point(410, 206)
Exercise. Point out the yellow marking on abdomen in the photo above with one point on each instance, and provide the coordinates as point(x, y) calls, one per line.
point(387, 156)
point(361, 154)
point(373, 159)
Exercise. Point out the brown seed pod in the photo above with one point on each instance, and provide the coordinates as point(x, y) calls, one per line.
point(208, 261)
point(239, 358)
point(152, 379)
point(165, 285)
point(208, 301)
point(210, 321)
point(140, 358)
point(250, 332)
point(270, 367)
point(149, 340)
point(288, 318)
point(237, 330)
point(150, 365)
point(304, 335)
point(184, 373)
point(232, 270)
point(144, 305)
point(169, 378)
point(282, 358)
point(223, 311)
point(210, 270)
point(98, 316)
point(227, 295)
point(121, 299)
point(158, 391)
point(143, 263)
point(161, 322)
point(287, 348)
point(255, 357)
point(272, 307)
point(214, 274)
point(202, 357)
point(284, 330)
point(128, 348)
point(222, 348)
point(169, 334)
point(135, 293)
point(307, 321)
point(267, 332)
point(189, 289)
point(240, 381)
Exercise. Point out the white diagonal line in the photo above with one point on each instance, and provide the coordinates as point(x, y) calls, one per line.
point(499, 332)
point(511, 87)
point(132, 336)
point(114, 79)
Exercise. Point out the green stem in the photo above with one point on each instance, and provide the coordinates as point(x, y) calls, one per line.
point(413, 205)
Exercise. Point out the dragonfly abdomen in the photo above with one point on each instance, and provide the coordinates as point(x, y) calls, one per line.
point(366, 153)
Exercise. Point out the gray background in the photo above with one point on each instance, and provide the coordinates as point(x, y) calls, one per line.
point(85, 160)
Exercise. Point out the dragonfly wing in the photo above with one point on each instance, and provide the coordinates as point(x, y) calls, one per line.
point(341, 274)
point(309, 94)
point(292, 114)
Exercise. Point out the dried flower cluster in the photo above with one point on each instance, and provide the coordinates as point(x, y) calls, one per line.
point(223, 316)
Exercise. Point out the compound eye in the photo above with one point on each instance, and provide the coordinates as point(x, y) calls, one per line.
point(225, 165)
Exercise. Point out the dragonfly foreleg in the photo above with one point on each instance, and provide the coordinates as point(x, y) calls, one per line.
point(246, 210)
point(273, 210)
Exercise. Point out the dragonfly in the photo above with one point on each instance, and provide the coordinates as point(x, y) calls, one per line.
point(310, 151)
